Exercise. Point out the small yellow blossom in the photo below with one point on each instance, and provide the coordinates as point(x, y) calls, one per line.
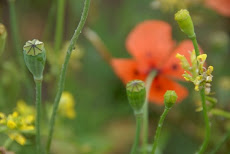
point(197, 73)
point(201, 58)
point(210, 70)
point(2, 118)
point(24, 109)
point(11, 124)
point(18, 138)
point(15, 114)
point(66, 107)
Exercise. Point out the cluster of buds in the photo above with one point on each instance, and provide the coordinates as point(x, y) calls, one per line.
point(196, 72)
point(14, 125)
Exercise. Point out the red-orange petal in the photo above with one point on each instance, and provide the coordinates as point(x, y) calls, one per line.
point(160, 85)
point(221, 6)
point(172, 67)
point(126, 69)
point(150, 42)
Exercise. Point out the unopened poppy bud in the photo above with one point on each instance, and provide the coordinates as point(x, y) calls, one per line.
point(170, 98)
point(3, 36)
point(185, 23)
point(136, 93)
point(35, 57)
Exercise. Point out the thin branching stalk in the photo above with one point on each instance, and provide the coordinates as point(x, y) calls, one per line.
point(137, 136)
point(158, 131)
point(63, 71)
point(205, 112)
point(38, 84)
point(148, 83)
point(59, 25)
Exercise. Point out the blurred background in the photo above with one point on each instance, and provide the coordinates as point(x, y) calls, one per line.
point(104, 121)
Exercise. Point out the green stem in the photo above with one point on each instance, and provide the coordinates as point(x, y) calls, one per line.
point(59, 24)
point(148, 83)
point(63, 71)
point(207, 123)
point(223, 140)
point(14, 29)
point(205, 112)
point(219, 112)
point(137, 136)
point(38, 114)
point(158, 131)
point(49, 21)
point(8, 143)
point(195, 44)
point(17, 44)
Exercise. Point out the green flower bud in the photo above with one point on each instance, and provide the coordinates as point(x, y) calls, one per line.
point(136, 95)
point(170, 98)
point(185, 23)
point(35, 57)
point(3, 36)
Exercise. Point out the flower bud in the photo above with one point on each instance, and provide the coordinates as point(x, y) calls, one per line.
point(185, 23)
point(35, 56)
point(184, 63)
point(136, 93)
point(3, 36)
point(170, 98)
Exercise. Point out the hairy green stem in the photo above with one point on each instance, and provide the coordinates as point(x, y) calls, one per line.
point(223, 140)
point(205, 112)
point(59, 24)
point(158, 131)
point(38, 84)
point(148, 83)
point(137, 136)
point(63, 71)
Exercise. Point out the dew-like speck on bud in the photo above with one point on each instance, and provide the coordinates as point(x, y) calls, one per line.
point(170, 98)
point(35, 57)
point(136, 93)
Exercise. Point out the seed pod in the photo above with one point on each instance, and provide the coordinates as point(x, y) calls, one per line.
point(170, 98)
point(136, 93)
point(35, 56)
point(185, 23)
point(3, 36)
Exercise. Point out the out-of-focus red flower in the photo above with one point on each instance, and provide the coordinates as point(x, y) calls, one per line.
point(152, 47)
point(221, 6)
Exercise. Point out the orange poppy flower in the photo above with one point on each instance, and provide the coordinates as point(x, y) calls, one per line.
point(221, 6)
point(152, 47)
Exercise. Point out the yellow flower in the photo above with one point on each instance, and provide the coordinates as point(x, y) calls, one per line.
point(2, 118)
point(201, 58)
point(18, 138)
point(66, 107)
point(210, 70)
point(11, 124)
point(24, 109)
